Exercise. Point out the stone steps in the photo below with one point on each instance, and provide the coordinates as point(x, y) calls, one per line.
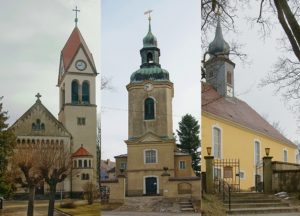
point(186, 206)
point(257, 203)
point(268, 210)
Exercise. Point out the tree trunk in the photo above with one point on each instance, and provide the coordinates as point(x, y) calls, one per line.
point(51, 200)
point(30, 208)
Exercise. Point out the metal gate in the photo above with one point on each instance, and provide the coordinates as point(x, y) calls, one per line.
point(259, 176)
point(226, 170)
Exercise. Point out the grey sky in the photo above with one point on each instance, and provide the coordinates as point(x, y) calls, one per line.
point(32, 36)
point(176, 24)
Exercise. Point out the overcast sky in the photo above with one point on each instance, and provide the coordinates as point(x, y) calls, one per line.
point(176, 24)
point(33, 34)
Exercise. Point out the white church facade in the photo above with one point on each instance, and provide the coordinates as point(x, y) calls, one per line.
point(76, 126)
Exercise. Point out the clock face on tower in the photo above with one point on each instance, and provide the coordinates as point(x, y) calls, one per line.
point(80, 65)
point(148, 87)
point(229, 91)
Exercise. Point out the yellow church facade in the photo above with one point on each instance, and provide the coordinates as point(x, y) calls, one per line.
point(232, 131)
point(239, 142)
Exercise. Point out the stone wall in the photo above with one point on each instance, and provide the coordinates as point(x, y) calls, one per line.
point(182, 187)
point(117, 189)
point(285, 177)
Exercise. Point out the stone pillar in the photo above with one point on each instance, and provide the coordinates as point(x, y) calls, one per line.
point(209, 174)
point(164, 182)
point(267, 172)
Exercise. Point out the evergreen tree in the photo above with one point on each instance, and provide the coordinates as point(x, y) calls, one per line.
point(188, 134)
point(7, 141)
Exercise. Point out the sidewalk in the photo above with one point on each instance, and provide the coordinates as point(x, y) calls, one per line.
point(19, 208)
point(116, 213)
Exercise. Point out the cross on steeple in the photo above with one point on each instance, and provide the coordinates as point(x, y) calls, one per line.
point(149, 14)
point(76, 18)
point(38, 96)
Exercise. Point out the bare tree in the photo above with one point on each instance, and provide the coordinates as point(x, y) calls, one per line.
point(90, 192)
point(24, 164)
point(55, 163)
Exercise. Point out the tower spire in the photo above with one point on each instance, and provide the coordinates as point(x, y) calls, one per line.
point(218, 45)
point(148, 12)
point(76, 18)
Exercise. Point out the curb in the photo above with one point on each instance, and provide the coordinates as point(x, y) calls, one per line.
point(61, 212)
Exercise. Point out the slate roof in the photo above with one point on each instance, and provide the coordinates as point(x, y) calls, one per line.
point(71, 48)
point(81, 152)
point(237, 111)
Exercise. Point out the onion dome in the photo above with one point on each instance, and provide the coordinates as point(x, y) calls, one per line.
point(218, 46)
point(149, 40)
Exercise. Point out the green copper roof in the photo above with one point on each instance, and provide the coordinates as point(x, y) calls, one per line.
point(149, 40)
point(218, 45)
point(150, 73)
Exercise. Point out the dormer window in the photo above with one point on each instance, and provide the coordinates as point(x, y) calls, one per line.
point(149, 57)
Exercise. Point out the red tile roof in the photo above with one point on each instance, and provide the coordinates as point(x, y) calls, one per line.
point(81, 152)
point(71, 47)
point(237, 111)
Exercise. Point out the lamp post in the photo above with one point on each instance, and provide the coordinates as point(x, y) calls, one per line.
point(267, 150)
point(208, 150)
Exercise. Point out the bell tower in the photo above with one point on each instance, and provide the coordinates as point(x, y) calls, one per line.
point(150, 94)
point(77, 98)
point(219, 68)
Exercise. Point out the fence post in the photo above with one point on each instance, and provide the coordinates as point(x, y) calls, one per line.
point(267, 174)
point(209, 174)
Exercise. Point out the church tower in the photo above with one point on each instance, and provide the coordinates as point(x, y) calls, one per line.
point(77, 105)
point(150, 143)
point(219, 68)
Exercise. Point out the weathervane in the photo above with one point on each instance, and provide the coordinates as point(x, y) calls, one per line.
point(148, 12)
point(76, 18)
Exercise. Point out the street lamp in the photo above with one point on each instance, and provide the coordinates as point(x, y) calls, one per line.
point(267, 150)
point(208, 149)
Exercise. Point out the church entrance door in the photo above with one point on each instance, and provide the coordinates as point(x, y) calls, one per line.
point(151, 185)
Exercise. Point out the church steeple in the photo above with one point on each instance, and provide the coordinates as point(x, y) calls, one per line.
point(219, 68)
point(150, 68)
point(218, 46)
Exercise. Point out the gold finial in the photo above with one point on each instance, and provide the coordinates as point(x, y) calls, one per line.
point(76, 18)
point(149, 14)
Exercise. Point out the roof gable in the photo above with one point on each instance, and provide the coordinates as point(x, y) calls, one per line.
point(52, 127)
point(71, 48)
point(237, 111)
point(81, 152)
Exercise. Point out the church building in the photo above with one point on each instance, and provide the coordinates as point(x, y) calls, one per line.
point(76, 126)
point(233, 132)
point(153, 165)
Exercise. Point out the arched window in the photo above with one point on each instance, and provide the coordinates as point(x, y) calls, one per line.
point(149, 109)
point(217, 142)
point(80, 163)
point(256, 152)
point(229, 77)
point(85, 163)
point(75, 95)
point(90, 163)
point(38, 125)
point(85, 92)
point(87, 176)
point(149, 57)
